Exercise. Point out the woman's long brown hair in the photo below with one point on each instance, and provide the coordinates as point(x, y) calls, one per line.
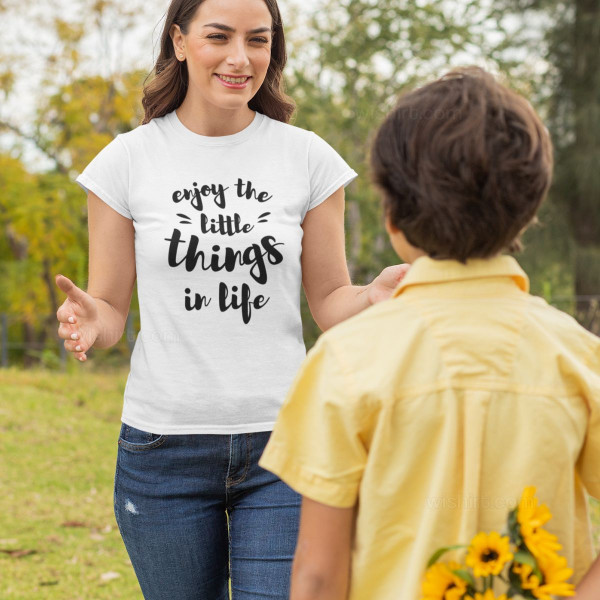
point(169, 78)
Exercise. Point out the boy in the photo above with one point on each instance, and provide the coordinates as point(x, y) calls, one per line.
point(418, 423)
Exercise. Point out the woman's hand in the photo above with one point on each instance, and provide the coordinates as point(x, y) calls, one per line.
point(78, 316)
point(385, 283)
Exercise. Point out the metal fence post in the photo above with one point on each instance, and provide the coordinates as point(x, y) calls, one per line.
point(62, 351)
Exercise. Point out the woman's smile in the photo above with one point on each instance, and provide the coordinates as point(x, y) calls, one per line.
point(238, 82)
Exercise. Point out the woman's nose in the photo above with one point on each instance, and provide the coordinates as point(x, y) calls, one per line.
point(238, 56)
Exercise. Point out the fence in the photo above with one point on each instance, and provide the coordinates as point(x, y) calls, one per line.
point(50, 350)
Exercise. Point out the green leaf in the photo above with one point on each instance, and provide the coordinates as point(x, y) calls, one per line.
point(465, 575)
point(525, 558)
point(436, 555)
point(515, 580)
point(514, 529)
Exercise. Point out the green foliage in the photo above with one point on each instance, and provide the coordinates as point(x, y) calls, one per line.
point(45, 227)
point(466, 576)
point(366, 53)
point(441, 551)
point(84, 115)
point(43, 216)
point(568, 89)
point(356, 58)
point(359, 56)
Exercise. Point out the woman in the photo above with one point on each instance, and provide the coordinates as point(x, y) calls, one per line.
point(220, 209)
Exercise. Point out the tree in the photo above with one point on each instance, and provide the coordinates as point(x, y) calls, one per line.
point(359, 56)
point(43, 216)
point(571, 89)
point(575, 52)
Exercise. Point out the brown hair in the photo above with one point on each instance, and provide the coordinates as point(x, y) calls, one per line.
point(464, 164)
point(167, 90)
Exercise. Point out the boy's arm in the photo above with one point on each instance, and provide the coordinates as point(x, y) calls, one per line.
point(589, 587)
point(321, 568)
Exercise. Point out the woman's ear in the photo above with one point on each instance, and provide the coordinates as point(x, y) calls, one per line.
point(176, 38)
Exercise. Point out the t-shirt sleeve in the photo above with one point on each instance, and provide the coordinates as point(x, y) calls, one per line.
point(589, 458)
point(107, 175)
point(317, 445)
point(327, 172)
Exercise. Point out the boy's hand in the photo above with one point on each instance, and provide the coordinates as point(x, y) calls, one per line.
point(321, 567)
point(587, 588)
point(385, 283)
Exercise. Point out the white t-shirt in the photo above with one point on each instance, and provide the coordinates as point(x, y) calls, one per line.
point(217, 251)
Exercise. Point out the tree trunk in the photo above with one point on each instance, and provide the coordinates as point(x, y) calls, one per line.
point(585, 211)
point(29, 339)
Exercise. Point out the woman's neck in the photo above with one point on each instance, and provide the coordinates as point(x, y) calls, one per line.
point(213, 121)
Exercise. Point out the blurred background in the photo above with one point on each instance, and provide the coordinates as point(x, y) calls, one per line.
point(71, 76)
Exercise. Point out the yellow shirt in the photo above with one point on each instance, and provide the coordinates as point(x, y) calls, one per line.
point(435, 409)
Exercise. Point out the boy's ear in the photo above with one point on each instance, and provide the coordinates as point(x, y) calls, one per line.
point(389, 226)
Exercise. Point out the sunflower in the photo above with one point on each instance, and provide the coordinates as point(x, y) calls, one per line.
point(442, 584)
point(555, 573)
point(488, 554)
point(529, 580)
point(531, 517)
point(542, 543)
point(488, 595)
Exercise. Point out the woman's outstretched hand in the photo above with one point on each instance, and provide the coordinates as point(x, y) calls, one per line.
point(385, 283)
point(78, 316)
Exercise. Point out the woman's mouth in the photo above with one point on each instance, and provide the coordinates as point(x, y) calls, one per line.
point(233, 82)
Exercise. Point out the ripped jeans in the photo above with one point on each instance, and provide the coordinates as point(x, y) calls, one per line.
point(196, 509)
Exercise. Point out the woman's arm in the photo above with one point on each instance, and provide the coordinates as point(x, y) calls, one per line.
point(321, 568)
point(97, 317)
point(331, 296)
point(589, 587)
point(112, 271)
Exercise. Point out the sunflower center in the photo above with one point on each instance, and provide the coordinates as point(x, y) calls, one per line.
point(489, 555)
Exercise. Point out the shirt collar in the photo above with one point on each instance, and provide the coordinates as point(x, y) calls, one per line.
point(426, 270)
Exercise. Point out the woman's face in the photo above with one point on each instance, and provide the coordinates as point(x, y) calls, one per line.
point(227, 50)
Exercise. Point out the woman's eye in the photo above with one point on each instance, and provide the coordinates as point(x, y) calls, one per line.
point(222, 37)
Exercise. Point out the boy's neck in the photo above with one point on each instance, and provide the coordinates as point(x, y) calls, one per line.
point(412, 254)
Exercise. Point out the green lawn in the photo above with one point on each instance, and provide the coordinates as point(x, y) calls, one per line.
point(58, 443)
point(58, 446)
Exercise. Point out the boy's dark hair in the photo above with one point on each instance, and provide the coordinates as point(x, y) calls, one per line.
point(464, 164)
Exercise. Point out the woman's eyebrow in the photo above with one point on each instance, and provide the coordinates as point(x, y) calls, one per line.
point(228, 28)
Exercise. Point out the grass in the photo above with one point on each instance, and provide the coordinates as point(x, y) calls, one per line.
point(58, 443)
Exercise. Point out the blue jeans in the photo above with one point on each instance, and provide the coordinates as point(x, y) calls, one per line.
point(196, 509)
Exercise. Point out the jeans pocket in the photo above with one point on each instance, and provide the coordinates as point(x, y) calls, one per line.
point(134, 439)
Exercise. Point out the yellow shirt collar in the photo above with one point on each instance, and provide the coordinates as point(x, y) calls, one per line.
point(426, 270)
